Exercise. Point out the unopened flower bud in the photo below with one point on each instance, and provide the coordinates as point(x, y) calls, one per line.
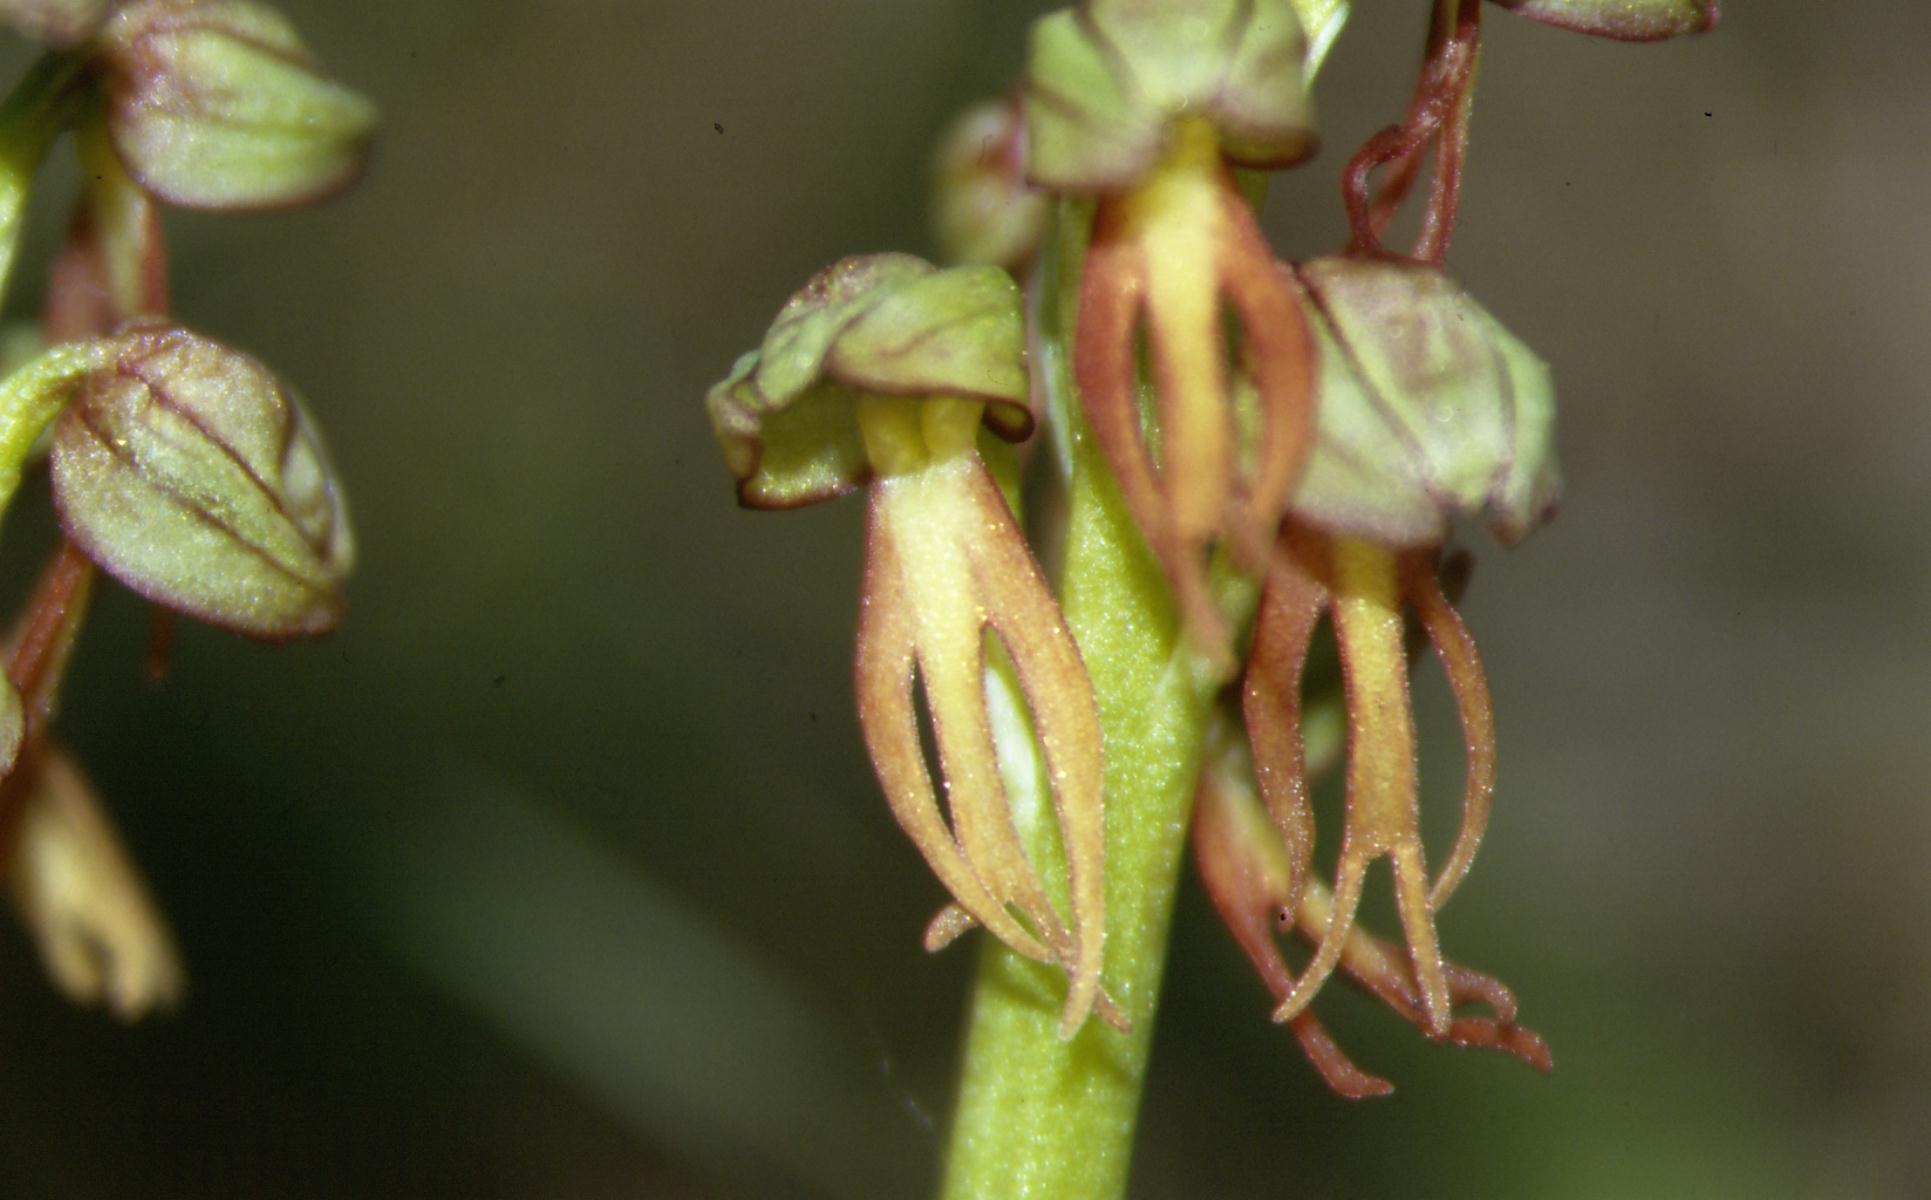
point(191, 475)
point(881, 325)
point(1107, 82)
point(984, 210)
point(216, 104)
point(1625, 20)
point(1429, 409)
point(55, 22)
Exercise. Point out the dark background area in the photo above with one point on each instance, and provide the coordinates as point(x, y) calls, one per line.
point(559, 872)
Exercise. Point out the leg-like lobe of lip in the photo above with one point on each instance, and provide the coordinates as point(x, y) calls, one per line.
point(946, 567)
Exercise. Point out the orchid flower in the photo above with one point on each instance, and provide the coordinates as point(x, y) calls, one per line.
point(881, 371)
point(1430, 410)
point(1149, 108)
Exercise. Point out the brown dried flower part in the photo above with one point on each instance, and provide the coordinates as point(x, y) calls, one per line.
point(1147, 106)
point(100, 935)
point(1252, 882)
point(217, 104)
point(883, 370)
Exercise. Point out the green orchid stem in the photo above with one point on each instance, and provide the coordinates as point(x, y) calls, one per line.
point(30, 118)
point(1038, 1115)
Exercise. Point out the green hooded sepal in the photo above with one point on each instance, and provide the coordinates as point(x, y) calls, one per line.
point(1106, 82)
point(883, 325)
point(1428, 409)
point(1623, 20)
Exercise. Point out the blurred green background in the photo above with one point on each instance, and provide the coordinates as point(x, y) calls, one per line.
point(559, 872)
